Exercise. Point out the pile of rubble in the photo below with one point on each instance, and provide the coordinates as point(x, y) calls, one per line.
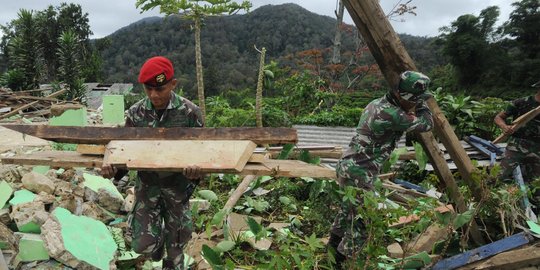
point(73, 218)
point(29, 103)
point(61, 214)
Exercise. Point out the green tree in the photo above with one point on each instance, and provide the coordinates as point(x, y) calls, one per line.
point(524, 27)
point(40, 43)
point(196, 11)
point(260, 82)
point(70, 65)
point(467, 44)
point(48, 38)
point(24, 49)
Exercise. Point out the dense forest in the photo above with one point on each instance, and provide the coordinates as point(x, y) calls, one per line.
point(470, 57)
point(475, 67)
point(230, 59)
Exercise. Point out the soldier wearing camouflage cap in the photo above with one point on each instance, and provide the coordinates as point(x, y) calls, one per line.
point(161, 220)
point(381, 125)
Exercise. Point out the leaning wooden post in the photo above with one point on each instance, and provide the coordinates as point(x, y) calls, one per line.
point(445, 133)
point(392, 58)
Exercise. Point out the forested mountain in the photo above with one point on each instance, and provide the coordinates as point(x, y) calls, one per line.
point(229, 57)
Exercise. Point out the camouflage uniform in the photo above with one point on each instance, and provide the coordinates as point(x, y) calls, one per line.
point(524, 145)
point(161, 214)
point(381, 125)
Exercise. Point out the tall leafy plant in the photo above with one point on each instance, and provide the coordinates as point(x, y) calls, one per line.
point(24, 50)
point(69, 59)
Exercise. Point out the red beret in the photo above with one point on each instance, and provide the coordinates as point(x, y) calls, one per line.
point(156, 71)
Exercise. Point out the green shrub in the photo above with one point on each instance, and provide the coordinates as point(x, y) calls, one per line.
point(339, 116)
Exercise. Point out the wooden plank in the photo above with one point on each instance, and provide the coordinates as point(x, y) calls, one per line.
point(169, 155)
point(103, 135)
point(278, 168)
point(513, 259)
point(62, 159)
point(257, 158)
point(288, 168)
point(91, 149)
point(520, 122)
point(36, 98)
point(408, 219)
point(483, 252)
point(26, 106)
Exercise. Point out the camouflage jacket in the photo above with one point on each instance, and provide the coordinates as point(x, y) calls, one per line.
point(518, 107)
point(381, 125)
point(179, 113)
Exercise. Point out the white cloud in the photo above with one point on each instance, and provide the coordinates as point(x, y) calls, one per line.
point(108, 16)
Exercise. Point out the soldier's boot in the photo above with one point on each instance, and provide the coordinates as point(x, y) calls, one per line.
point(169, 265)
point(157, 255)
point(333, 244)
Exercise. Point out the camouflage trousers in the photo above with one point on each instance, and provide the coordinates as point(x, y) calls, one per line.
point(525, 153)
point(161, 216)
point(347, 224)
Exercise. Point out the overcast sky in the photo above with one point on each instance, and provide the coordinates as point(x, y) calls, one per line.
point(107, 16)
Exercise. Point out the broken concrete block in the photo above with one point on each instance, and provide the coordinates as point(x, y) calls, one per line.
point(395, 251)
point(31, 248)
point(103, 191)
point(7, 238)
point(5, 193)
point(78, 241)
point(109, 200)
point(73, 204)
point(4, 216)
point(113, 109)
point(93, 210)
point(22, 196)
point(3, 264)
point(37, 182)
point(29, 216)
point(67, 175)
point(41, 169)
point(11, 173)
point(45, 198)
point(426, 240)
point(63, 189)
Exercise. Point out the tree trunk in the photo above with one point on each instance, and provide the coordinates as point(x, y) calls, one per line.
point(336, 56)
point(258, 98)
point(199, 67)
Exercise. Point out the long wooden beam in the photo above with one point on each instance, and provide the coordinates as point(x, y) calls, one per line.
point(520, 122)
point(392, 58)
point(103, 135)
point(276, 168)
point(445, 133)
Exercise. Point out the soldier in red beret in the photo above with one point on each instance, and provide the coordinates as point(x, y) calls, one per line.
point(160, 220)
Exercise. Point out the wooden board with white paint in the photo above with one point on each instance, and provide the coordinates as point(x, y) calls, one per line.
point(173, 155)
